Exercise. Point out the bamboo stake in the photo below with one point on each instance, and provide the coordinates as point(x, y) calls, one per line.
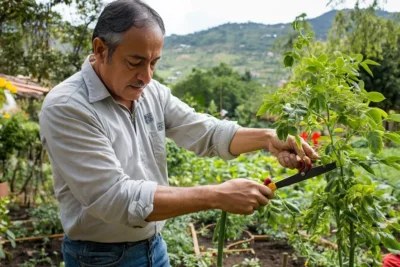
point(195, 242)
point(321, 240)
point(231, 251)
point(32, 238)
point(251, 239)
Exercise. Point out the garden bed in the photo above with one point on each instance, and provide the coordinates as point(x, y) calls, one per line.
point(261, 249)
point(270, 253)
point(38, 253)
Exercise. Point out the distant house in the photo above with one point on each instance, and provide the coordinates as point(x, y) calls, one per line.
point(255, 74)
point(184, 46)
point(172, 78)
point(26, 89)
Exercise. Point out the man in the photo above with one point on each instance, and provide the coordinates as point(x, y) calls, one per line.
point(104, 129)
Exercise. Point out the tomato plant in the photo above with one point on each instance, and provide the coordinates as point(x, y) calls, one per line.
point(326, 95)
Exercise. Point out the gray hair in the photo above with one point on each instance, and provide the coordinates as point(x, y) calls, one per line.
point(119, 16)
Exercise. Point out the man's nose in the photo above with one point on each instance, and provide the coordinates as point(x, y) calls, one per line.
point(145, 75)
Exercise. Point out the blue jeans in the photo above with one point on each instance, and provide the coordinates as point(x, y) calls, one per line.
point(150, 252)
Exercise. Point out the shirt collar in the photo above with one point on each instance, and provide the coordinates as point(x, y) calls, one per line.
point(96, 88)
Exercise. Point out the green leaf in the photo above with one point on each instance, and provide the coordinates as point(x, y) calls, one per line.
point(339, 62)
point(276, 202)
point(367, 168)
point(350, 215)
point(323, 58)
point(314, 105)
point(359, 57)
point(375, 115)
point(361, 84)
point(298, 141)
point(301, 111)
point(321, 101)
point(292, 207)
point(288, 61)
point(375, 97)
point(376, 239)
point(331, 184)
point(396, 226)
point(275, 209)
point(371, 62)
point(10, 234)
point(382, 112)
point(268, 98)
point(338, 130)
point(282, 131)
point(312, 69)
point(296, 55)
point(389, 241)
point(367, 69)
point(393, 117)
point(292, 130)
point(264, 108)
point(375, 142)
point(394, 137)
point(395, 159)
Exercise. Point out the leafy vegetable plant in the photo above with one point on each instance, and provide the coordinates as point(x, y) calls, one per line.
point(325, 94)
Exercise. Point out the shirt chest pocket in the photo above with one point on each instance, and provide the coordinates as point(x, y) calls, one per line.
point(157, 142)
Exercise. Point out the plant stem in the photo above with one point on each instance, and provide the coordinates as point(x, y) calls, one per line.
point(338, 238)
point(221, 238)
point(338, 224)
point(352, 245)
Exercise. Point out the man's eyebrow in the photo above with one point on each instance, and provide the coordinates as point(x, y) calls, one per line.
point(142, 58)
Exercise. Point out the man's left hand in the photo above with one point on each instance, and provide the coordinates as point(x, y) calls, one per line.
point(288, 153)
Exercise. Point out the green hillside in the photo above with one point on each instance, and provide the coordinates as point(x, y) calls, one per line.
point(245, 46)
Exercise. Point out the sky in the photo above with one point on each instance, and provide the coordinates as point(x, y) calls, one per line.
point(188, 16)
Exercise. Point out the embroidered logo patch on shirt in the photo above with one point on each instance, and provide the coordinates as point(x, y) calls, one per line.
point(148, 118)
point(160, 126)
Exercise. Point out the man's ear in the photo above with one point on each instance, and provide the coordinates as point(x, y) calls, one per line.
point(100, 50)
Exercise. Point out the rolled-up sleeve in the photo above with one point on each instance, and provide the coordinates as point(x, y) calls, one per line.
point(201, 133)
point(82, 154)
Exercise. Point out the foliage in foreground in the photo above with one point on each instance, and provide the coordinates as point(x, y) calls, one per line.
point(325, 94)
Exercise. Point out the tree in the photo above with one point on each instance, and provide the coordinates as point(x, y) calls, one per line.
point(361, 31)
point(32, 36)
point(209, 85)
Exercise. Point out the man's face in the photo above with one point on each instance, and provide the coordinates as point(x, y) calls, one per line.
point(132, 63)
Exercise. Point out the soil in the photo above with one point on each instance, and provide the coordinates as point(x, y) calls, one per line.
point(18, 213)
point(45, 254)
point(269, 252)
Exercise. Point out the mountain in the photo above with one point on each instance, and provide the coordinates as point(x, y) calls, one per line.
point(245, 46)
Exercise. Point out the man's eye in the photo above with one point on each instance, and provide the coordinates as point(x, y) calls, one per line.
point(133, 64)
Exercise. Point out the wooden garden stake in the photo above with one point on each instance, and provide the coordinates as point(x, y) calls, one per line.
point(285, 259)
point(195, 242)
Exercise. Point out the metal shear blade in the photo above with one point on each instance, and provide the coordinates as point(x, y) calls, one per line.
point(301, 176)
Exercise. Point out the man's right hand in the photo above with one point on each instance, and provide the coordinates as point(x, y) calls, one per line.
point(241, 196)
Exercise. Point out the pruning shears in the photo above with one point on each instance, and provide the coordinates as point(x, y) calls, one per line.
point(303, 174)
